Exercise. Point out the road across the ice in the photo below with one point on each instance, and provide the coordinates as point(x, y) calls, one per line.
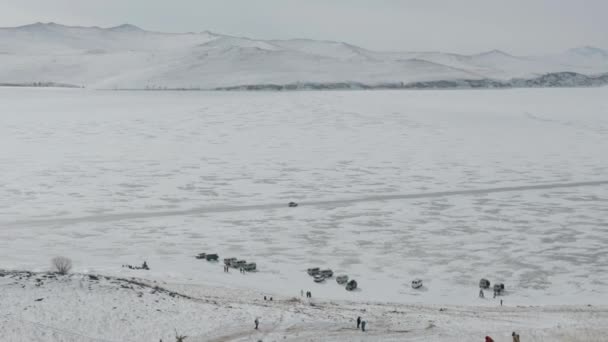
point(337, 202)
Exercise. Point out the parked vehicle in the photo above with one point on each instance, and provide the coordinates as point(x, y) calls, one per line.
point(484, 283)
point(250, 267)
point(238, 263)
point(229, 261)
point(351, 285)
point(211, 257)
point(292, 204)
point(201, 256)
point(342, 279)
point(416, 283)
point(499, 288)
point(318, 278)
point(327, 273)
point(313, 271)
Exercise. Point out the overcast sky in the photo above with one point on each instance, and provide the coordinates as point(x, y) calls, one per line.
point(464, 26)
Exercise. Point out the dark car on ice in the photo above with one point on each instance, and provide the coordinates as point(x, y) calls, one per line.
point(351, 285)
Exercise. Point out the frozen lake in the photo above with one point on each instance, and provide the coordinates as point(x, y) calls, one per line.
point(109, 178)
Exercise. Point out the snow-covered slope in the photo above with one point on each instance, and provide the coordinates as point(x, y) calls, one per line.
point(47, 307)
point(126, 56)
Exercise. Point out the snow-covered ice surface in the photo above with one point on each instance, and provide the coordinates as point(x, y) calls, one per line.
point(110, 178)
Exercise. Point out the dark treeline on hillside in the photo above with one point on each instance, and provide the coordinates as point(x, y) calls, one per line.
point(552, 80)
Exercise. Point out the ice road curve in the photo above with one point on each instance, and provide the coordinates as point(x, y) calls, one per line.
point(228, 208)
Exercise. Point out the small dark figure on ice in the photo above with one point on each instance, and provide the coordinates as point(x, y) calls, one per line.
point(363, 323)
point(358, 322)
point(144, 266)
point(257, 322)
point(481, 295)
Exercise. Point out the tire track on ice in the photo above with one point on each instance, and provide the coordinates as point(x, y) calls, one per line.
point(319, 203)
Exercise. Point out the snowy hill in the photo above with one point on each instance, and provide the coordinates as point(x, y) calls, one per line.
point(81, 307)
point(129, 57)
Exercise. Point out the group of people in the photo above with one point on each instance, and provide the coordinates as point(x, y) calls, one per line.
point(482, 295)
point(514, 335)
point(143, 266)
point(227, 269)
point(308, 294)
point(361, 323)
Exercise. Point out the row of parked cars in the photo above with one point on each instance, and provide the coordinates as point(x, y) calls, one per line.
point(231, 262)
point(498, 288)
point(240, 264)
point(320, 275)
point(207, 256)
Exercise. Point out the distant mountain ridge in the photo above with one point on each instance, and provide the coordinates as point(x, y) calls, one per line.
point(128, 57)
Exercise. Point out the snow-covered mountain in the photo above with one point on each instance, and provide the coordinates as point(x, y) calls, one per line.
point(129, 57)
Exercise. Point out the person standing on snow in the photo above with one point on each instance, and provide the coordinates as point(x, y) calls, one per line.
point(515, 337)
point(358, 322)
point(363, 323)
point(257, 322)
point(481, 295)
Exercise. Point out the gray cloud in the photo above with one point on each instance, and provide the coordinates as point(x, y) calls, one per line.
point(518, 26)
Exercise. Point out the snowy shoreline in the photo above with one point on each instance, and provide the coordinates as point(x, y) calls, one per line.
point(87, 307)
point(563, 79)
